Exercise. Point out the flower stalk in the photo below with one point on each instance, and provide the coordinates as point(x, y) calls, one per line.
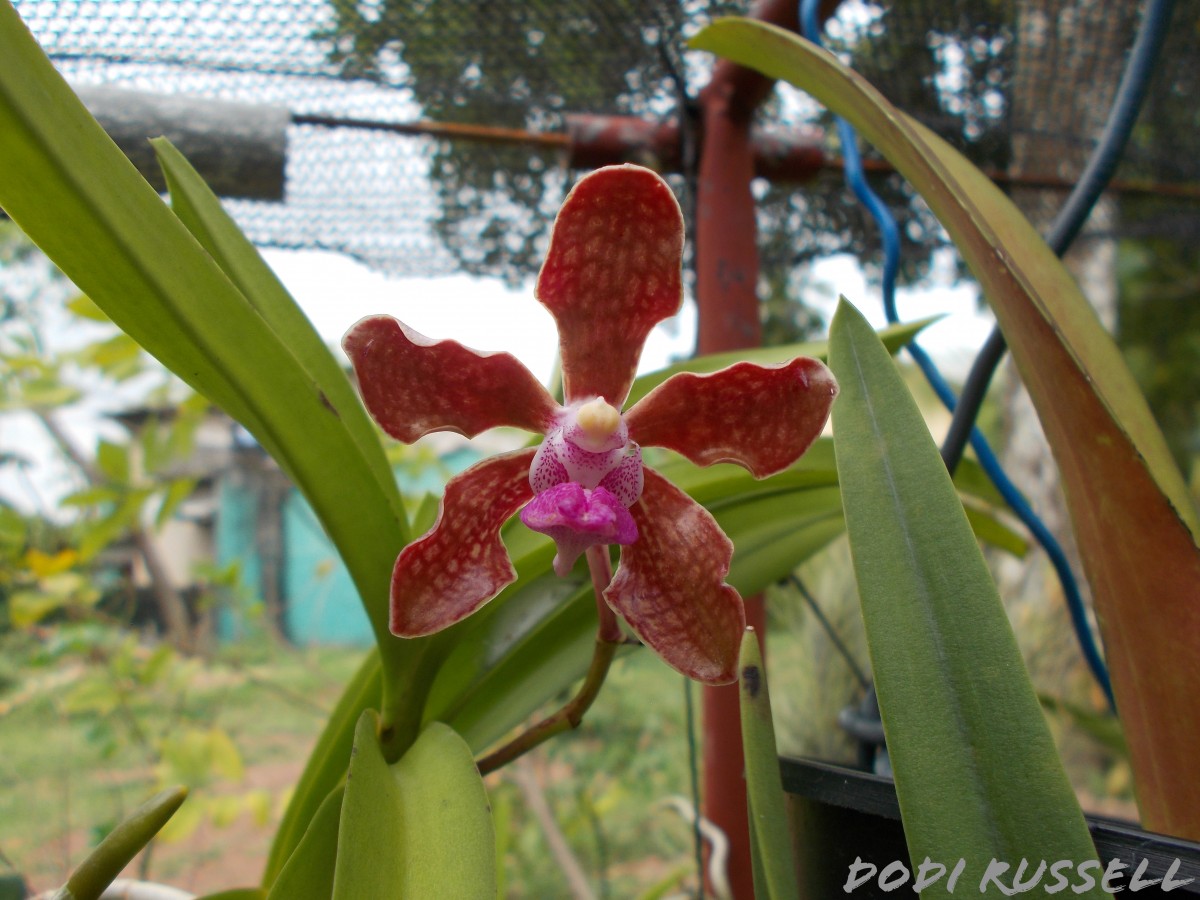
point(608, 639)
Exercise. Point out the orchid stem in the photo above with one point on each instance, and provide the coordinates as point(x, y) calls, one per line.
point(608, 639)
point(600, 566)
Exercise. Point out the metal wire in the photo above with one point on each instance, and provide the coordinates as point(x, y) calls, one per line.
point(444, 203)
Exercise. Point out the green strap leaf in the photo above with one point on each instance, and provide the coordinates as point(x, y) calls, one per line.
point(976, 770)
point(308, 873)
point(121, 845)
point(199, 209)
point(1134, 518)
point(534, 640)
point(774, 867)
point(77, 196)
point(418, 828)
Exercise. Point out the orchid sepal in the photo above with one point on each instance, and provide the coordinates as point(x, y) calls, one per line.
point(612, 272)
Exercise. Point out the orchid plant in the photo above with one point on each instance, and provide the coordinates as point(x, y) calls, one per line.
point(613, 272)
point(392, 803)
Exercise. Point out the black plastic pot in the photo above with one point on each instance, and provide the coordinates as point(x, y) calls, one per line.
point(840, 816)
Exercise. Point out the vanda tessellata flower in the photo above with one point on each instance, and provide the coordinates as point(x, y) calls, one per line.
point(612, 272)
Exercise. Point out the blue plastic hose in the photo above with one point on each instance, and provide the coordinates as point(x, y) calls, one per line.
point(890, 238)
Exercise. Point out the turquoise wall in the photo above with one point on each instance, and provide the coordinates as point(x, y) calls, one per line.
point(321, 604)
point(233, 540)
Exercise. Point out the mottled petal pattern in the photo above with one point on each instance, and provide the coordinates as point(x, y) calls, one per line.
point(461, 563)
point(546, 470)
point(577, 518)
point(671, 589)
point(413, 385)
point(626, 479)
point(611, 274)
point(760, 417)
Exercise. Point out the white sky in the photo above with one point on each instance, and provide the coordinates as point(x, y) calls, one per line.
point(335, 291)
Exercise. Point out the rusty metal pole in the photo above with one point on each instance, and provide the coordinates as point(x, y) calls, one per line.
point(727, 301)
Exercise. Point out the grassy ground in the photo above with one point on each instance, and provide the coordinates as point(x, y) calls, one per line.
point(75, 756)
point(71, 767)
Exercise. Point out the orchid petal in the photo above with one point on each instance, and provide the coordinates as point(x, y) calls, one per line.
point(671, 589)
point(413, 385)
point(627, 477)
point(461, 563)
point(546, 470)
point(760, 417)
point(611, 274)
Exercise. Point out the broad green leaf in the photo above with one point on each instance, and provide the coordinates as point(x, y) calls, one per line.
point(12, 527)
point(1134, 519)
point(1102, 727)
point(977, 773)
point(418, 828)
point(517, 676)
point(992, 531)
point(97, 694)
point(42, 393)
point(121, 845)
point(119, 357)
point(154, 441)
point(308, 873)
point(181, 435)
point(183, 824)
point(156, 668)
point(237, 894)
point(91, 497)
point(774, 867)
point(195, 756)
point(113, 461)
point(177, 491)
point(112, 525)
point(26, 608)
point(326, 766)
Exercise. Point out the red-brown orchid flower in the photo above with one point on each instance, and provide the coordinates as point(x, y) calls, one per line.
point(611, 274)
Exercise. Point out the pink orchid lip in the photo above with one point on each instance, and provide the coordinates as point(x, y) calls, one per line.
point(577, 518)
